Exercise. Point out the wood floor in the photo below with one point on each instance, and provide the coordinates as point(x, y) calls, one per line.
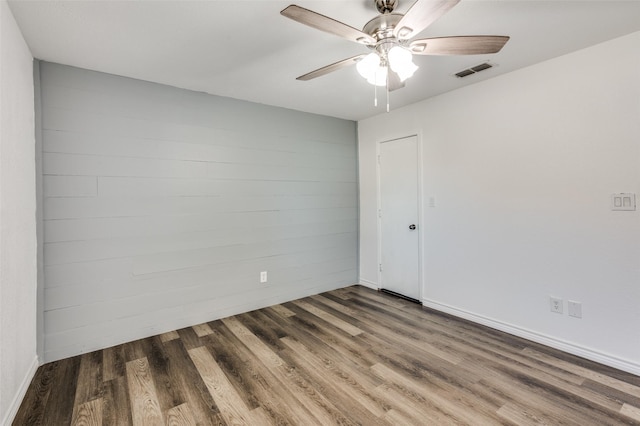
point(350, 356)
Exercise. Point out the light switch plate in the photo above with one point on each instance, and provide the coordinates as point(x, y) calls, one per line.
point(575, 309)
point(625, 201)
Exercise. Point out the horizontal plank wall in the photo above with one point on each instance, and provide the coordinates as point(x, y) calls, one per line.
point(162, 206)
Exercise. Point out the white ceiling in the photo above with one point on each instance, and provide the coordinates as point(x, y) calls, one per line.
point(247, 50)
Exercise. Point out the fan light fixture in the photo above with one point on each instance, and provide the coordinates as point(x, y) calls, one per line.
point(388, 35)
point(401, 62)
point(373, 67)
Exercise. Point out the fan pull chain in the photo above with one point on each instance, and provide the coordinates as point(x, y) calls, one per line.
point(375, 95)
point(387, 87)
point(387, 98)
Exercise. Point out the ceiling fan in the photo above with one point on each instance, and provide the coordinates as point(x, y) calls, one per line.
point(389, 36)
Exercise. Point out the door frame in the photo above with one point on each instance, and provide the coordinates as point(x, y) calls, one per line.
point(421, 217)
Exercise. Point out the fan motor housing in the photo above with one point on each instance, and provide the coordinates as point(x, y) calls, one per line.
point(382, 26)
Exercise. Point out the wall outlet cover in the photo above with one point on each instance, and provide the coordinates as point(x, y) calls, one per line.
point(555, 304)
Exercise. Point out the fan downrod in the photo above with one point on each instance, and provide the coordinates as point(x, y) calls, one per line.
point(385, 6)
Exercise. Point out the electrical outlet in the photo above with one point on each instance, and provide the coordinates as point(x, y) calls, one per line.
point(575, 309)
point(556, 304)
point(263, 277)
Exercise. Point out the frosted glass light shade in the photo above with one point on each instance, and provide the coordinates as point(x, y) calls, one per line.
point(368, 65)
point(401, 62)
point(370, 68)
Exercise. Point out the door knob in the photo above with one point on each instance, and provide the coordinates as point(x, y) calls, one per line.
point(412, 227)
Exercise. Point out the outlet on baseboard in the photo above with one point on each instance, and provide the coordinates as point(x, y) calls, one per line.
point(556, 304)
point(263, 277)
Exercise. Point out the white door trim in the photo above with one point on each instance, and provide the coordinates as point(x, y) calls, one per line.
point(421, 217)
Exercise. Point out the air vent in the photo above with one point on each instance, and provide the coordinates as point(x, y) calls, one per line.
point(482, 67)
point(473, 70)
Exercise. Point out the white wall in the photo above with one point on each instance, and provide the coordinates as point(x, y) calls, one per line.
point(162, 206)
point(522, 167)
point(18, 360)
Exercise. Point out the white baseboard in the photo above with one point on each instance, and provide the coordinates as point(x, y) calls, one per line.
point(369, 284)
point(602, 358)
point(176, 323)
point(22, 391)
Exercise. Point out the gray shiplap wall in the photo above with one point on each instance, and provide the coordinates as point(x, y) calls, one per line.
point(162, 206)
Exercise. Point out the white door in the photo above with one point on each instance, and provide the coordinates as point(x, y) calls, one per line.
point(399, 227)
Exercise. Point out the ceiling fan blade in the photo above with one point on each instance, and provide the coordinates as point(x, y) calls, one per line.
point(324, 23)
point(393, 81)
point(422, 14)
point(459, 45)
point(330, 68)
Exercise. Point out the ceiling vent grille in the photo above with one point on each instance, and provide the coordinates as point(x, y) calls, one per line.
point(473, 70)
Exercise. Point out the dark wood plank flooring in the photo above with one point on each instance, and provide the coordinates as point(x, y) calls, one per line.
point(350, 356)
